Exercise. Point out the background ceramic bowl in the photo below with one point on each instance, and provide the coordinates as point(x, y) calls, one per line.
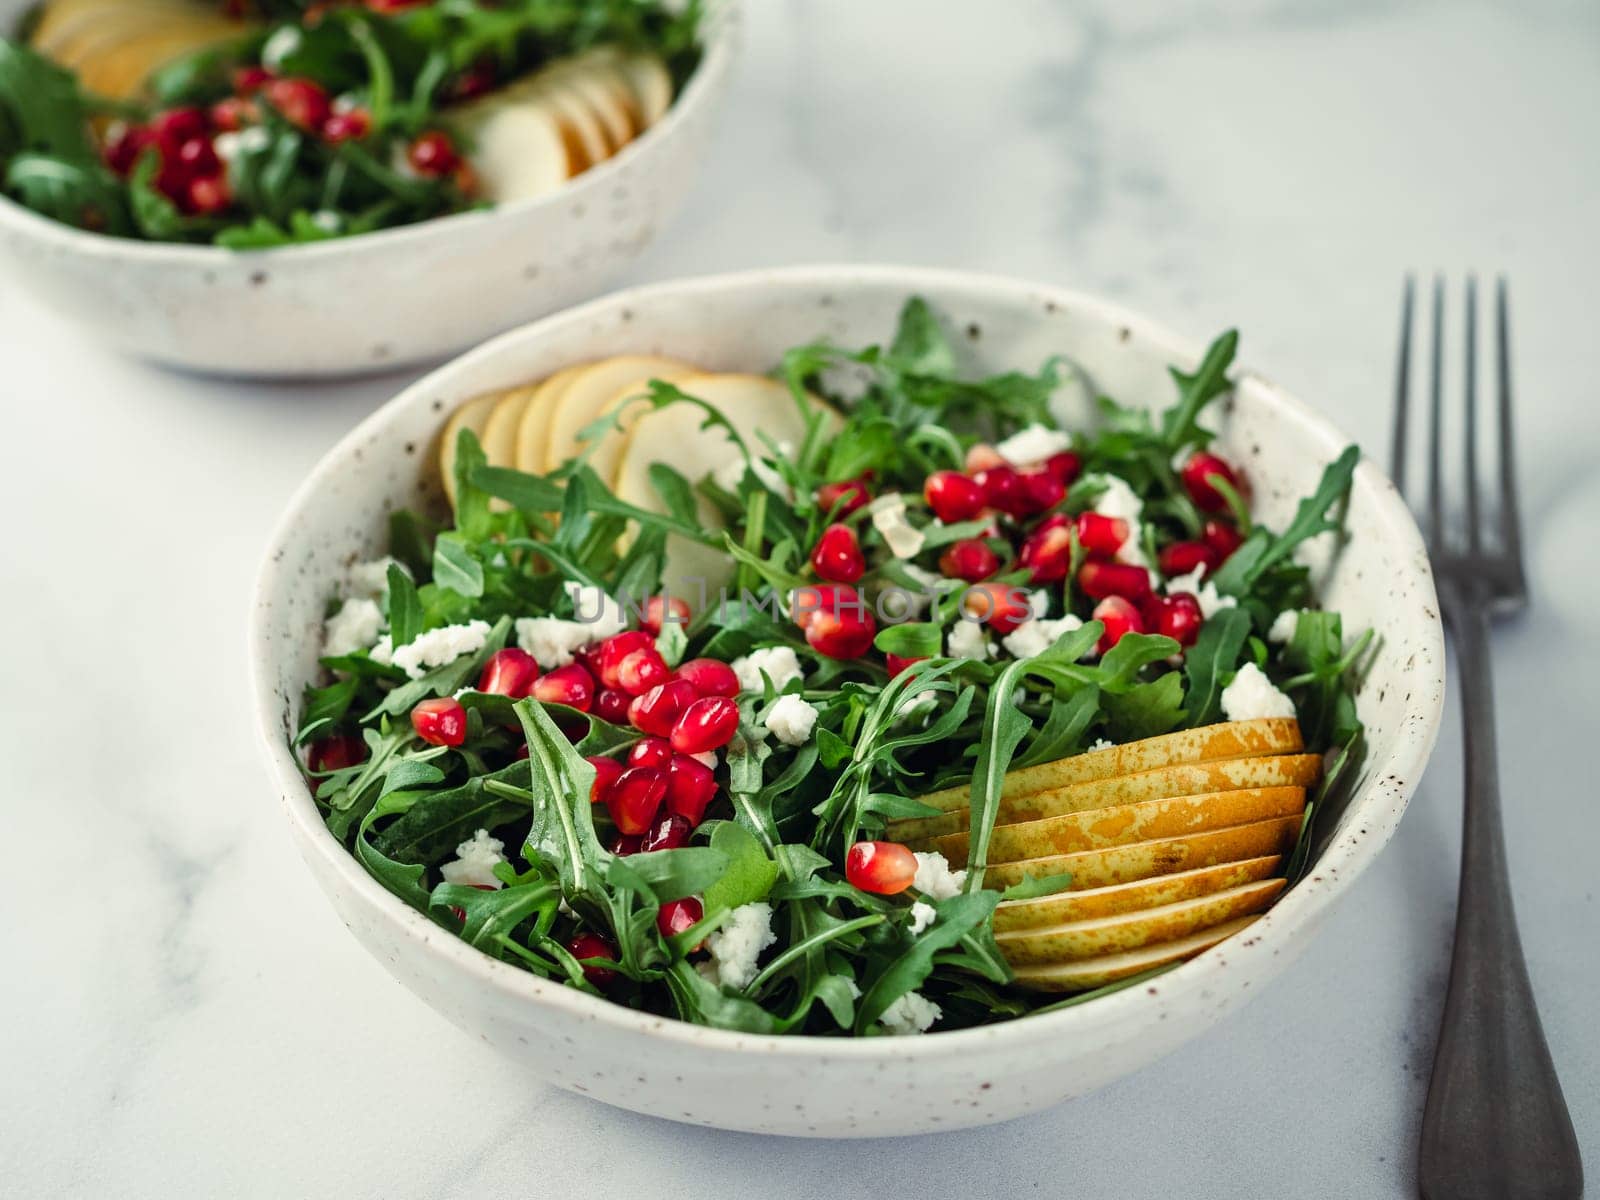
point(406, 295)
point(826, 1086)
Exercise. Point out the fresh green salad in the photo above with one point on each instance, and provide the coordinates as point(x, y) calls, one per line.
point(259, 125)
point(685, 803)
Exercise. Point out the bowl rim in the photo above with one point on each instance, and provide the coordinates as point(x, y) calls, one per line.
point(719, 46)
point(1201, 981)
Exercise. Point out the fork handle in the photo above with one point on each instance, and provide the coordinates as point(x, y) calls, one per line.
point(1496, 1124)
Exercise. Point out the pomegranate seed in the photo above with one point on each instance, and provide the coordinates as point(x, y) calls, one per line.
point(831, 598)
point(970, 559)
point(997, 605)
point(570, 685)
point(124, 146)
point(663, 610)
point(434, 154)
point(952, 496)
point(1180, 558)
point(838, 555)
point(841, 635)
point(1047, 551)
point(349, 126)
point(198, 158)
point(625, 844)
point(1003, 489)
point(1178, 617)
point(606, 771)
point(609, 654)
point(522, 752)
point(441, 722)
point(897, 663)
point(1223, 538)
point(691, 786)
point(657, 711)
point(1197, 474)
point(842, 499)
point(232, 114)
point(707, 724)
point(509, 672)
point(670, 832)
point(650, 752)
point(982, 456)
point(635, 797)
point(1042, 490)
point(474, 82)
point(336, 752)
point(1100, 534)
point(709, 677)
point(249, 80)
point(678, 915)
point(883, 868)
point(612, 705)
point(1065, 466)
point(177, 126)
point(642, 670)
point(303, 102)
point(208, 195)
point(1101, 579)
point(592, 945)
point(1120, 617)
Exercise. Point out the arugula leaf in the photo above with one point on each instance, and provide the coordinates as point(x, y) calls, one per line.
point(957, 917)
point(405, 608)
point(749, 873)
point(455, 568)
point(1213, 658)
point(1179, 424)
point(1263, 549)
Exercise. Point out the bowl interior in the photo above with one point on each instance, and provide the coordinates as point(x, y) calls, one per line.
point(1378, 578)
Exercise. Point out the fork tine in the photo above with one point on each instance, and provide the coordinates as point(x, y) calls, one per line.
point(1510, 517)
point(1402, 391)
point(1436, 423)
point(1469, 379)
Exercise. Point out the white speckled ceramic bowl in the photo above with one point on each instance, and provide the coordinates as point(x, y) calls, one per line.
point(829, 1086)
point(406, 295)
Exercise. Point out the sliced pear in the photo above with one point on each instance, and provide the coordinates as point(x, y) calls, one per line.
point(1129, 931)
point(473, 415)
point(499, 435)
point(1186, 779)
point(1140, 894)
point(580, 126)
point(1230, 739)
point(594, 77)
point(592, 392)
point(1096, 972)
point(518, 150)
point(650, 83)
point(119, 71)
point(1156, 857)
point(1124, 823)
point(533, 427)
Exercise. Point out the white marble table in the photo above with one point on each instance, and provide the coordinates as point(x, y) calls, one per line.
point(180, 1014)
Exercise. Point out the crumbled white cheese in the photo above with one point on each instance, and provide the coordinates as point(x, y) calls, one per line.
point(1284, 626)
point(967, 640)
point(917, 705)
point(730, 474)
point(439, 646)
point(738, 943)
point(370, 580)
point(889, 518)
point(1032, 445)
point(327, 220)
point(475, 861)
point(597, 612)
point(226, 145)
point(779, 663)
point(1121, 501)
point(910, 1013)
point(354, 627)
point(552, 641)
point(1211, 601)
point(1251, 697)
point(1033, 638)
point(934, 878)
point(792, 719)
point(1102, 744)
point(922, 916)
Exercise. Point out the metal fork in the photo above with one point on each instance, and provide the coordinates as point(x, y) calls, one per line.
point(1496, 1124)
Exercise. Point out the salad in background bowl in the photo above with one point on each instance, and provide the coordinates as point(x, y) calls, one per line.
point(265, 189)
point(857, 860)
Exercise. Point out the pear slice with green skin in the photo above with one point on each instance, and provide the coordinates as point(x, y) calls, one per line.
point(589, 393)
point(1121, 932)
point(1124, 823)
point(1185, 779)
point(473, 415)
point(533, 426)
point(1154, 858)
point(1228, 739)
point(1086, 973)
point(1116, 898)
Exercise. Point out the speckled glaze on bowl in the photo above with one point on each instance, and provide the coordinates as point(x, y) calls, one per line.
point(382, 300)
point(835, 1087)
